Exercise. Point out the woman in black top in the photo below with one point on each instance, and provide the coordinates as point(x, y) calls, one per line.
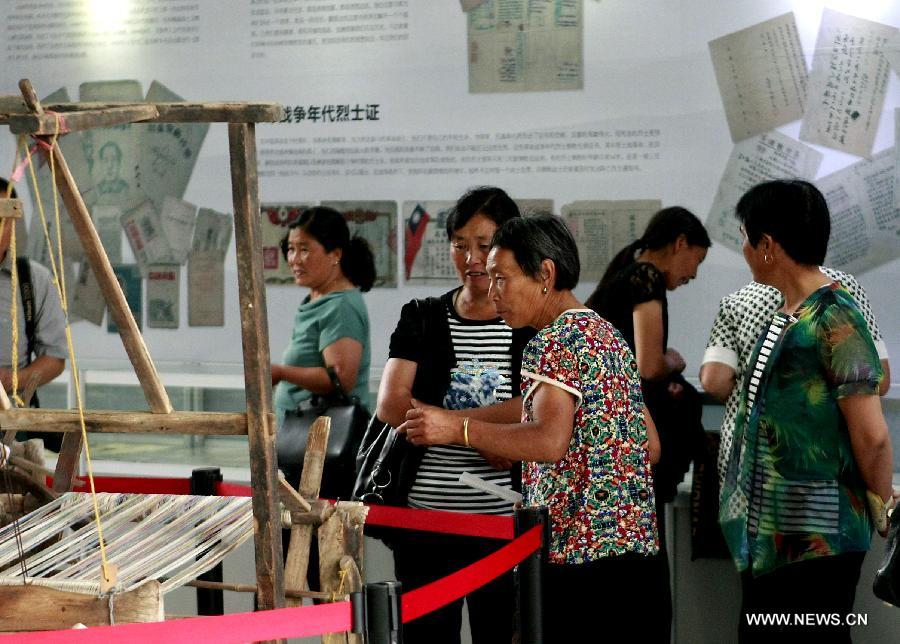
point(632, 295)
point(455, 352)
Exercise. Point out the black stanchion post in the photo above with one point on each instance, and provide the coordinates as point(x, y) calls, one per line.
point(529, 576)
point(209, 602)
point(384, 623)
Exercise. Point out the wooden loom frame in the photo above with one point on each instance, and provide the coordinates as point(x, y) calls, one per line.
point(29, 117)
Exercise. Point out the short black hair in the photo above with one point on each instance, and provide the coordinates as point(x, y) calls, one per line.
point(330, 229)
point(793, 212)
point(538, 237)
point(4, 186)
point(490, 201)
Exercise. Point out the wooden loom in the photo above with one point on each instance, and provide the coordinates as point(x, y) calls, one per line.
point(28, 117)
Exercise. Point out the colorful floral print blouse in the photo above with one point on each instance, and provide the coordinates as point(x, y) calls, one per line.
point(600, 494)
point(792, 489)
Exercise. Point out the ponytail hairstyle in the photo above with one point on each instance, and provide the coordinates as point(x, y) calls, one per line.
point(329, 228)
point(664, 228)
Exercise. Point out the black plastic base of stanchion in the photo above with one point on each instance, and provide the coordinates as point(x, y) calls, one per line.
point(384, 622)
point(529, 576)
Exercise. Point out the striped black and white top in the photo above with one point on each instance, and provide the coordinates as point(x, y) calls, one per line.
point(814, 506)
point(477, 345)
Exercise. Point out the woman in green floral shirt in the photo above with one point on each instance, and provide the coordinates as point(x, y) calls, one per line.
point(584, 438)
point(810, 438)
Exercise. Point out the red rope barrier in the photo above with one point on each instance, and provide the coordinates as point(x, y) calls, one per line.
point(282, 623)
point(437, 594)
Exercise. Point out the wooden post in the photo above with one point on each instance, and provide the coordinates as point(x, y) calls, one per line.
point(310, 482)
point(257, 373)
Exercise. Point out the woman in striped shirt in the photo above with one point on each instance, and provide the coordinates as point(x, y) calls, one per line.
point(455, 352)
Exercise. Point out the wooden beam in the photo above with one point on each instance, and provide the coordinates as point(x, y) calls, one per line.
point(249, 588)
point(257, 366)
point(10, 208)
point(68, 462)
point(38, 608)
point(125, 422)
point(182, 112)
point(48, 124)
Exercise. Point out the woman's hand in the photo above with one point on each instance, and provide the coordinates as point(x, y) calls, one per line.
point(674, 361)
point(427, 425)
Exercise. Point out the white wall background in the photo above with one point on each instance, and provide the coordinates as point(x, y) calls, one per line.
point(646, 65)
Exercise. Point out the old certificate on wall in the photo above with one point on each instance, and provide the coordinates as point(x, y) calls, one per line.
point(847, 83)
point(145, 234)
point(374, 221)
point(768, 156)
point(212, 232)
point(169, 151)
point(274, 222)
point(426, 251)
point(865, 221)
point(178, 219)
point(526, 45)
point(206, 288)
point(163, 281)
point(602, 228)
point(113, 153)
point(108, 222)
point(762, 76)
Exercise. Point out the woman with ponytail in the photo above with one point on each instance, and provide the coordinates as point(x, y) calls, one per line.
point(331, 328)
point(632, 295)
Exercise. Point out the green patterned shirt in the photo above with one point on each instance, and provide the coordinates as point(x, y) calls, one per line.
point(792, 488)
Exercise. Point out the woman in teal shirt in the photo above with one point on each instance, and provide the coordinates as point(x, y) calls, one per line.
point(331, 328)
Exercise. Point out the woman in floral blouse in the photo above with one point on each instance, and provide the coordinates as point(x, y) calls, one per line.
point(809, 473)
point(583, 436)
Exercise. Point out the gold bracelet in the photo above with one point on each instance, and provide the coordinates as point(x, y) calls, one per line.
point(466, 431)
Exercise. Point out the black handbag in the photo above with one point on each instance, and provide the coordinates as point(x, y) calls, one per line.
point(887, 577)
point(383, 464)
point(348, 422)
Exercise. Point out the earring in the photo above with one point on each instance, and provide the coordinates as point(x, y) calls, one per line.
point(767, 259)
point(544, 290)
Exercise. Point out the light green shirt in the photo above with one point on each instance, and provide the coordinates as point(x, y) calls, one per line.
point(318, 324)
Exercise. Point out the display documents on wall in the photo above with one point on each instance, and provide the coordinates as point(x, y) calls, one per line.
point(865, 220)
point(415, 103)
point(762, 76)
point(847, 83)
point(602, 228)
point(374, 221)
point(132, 178)
point(763, 83)
point(762, 158)
point(525, 45)
point(426, 249)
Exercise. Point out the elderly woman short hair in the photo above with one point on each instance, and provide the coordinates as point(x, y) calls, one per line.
point(810, 438)
point(583, 434)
